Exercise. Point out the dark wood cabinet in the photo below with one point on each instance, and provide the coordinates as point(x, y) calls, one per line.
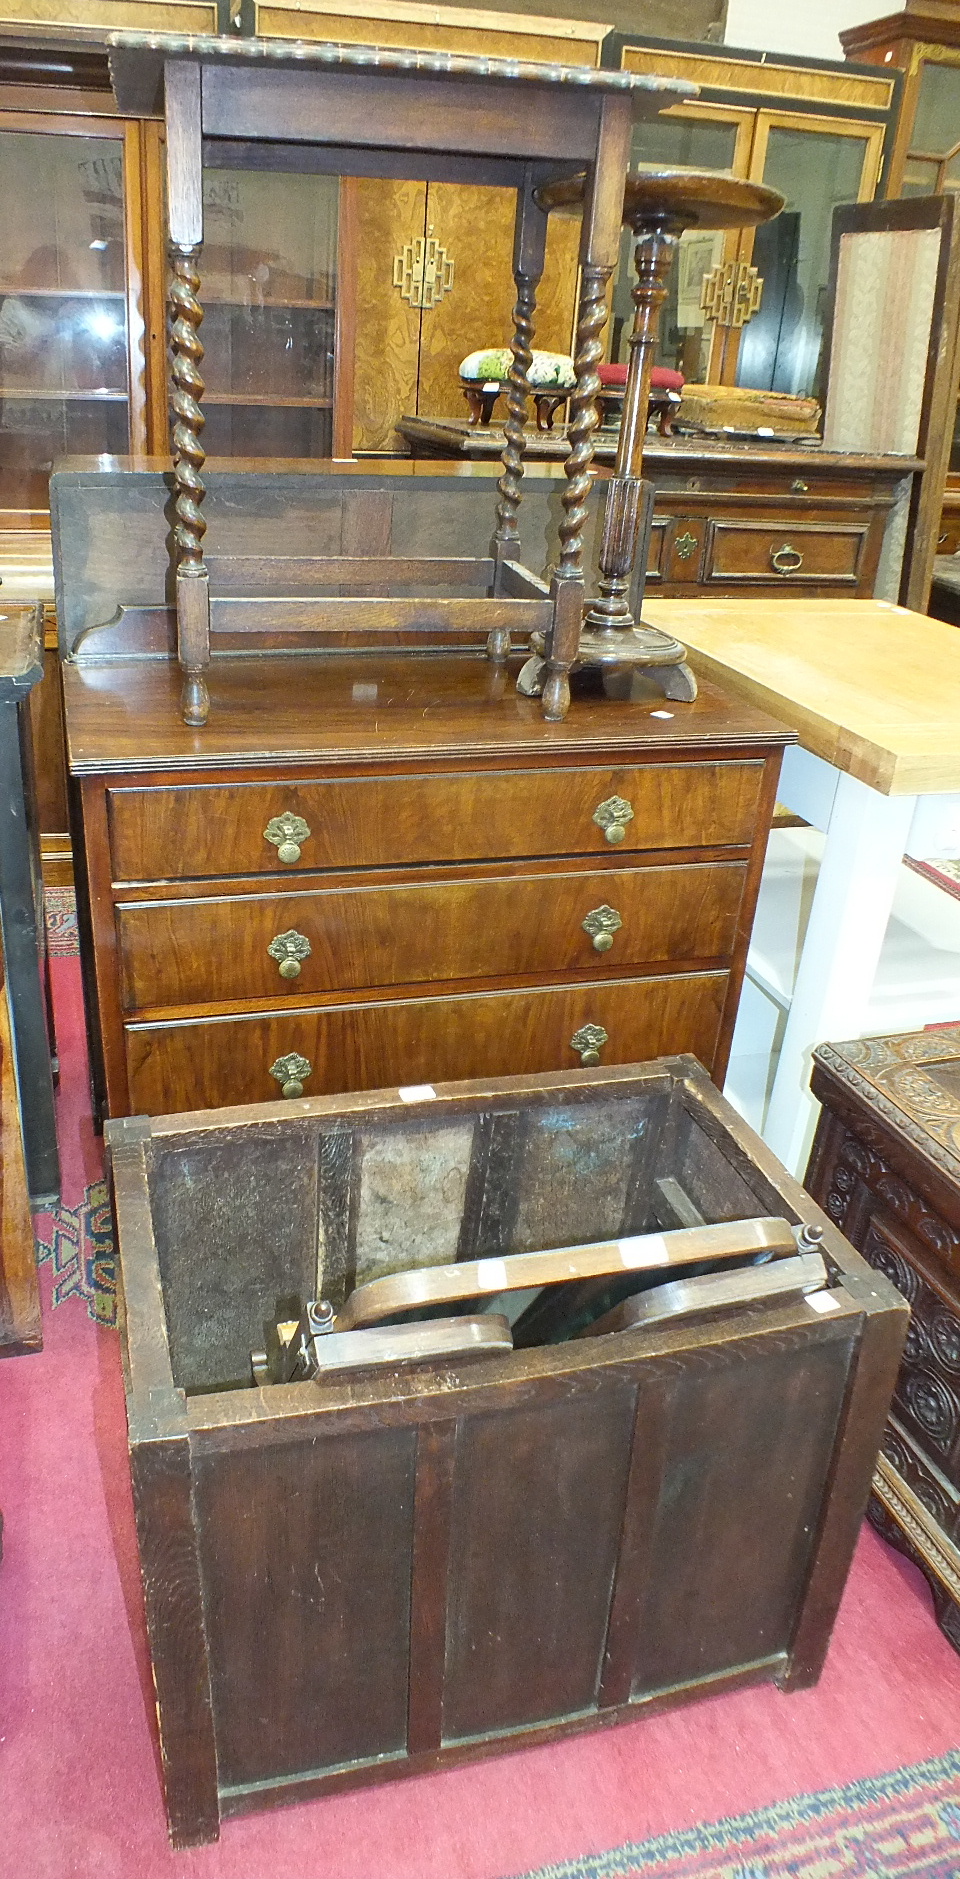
point(753, 519)
point(886, 1167)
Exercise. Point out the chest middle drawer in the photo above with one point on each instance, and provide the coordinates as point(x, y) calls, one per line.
point(348, 938)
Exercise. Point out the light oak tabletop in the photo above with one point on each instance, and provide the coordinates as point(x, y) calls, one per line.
point(26, 565)
point(869, 686)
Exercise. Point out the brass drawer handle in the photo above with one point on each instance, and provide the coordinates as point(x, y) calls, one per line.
point(799, 487)
point(786, 560)
point(288, 949)
point(287, 833)
point(589, 1042)
point(612, 817)
point(601, 924)
point(291, 1073)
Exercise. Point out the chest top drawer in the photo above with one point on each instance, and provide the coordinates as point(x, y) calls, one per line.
point(214, 830)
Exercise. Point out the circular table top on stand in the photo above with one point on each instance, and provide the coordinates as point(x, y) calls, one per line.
point(687, 198)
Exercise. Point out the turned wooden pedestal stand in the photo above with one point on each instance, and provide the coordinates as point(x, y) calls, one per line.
point(658, 205)
point(423, 116)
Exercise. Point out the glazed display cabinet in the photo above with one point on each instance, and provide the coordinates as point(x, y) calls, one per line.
point(923, 42)
point(71, 325)
point(270, 305)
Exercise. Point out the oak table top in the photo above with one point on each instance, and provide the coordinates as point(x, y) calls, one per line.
point(870, 687)
point(26, 565)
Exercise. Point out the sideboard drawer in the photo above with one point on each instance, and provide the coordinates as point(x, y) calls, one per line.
point(796, 553)
point(195, 831)
point(213, 1062)
point(349, 938)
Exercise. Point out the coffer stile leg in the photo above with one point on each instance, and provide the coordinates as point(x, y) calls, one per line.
point(529, 248)
point(185, 217)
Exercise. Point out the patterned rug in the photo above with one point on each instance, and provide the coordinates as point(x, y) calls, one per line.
point(900, 1826)
point(77, 1241)
point(61, 910)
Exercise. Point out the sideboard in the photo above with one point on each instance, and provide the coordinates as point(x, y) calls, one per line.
point(736, 518)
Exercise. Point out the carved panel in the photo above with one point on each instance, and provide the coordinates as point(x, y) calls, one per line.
point(908, 1082)
point(931, 1488)
point(858, 1162)
point(928, 1387)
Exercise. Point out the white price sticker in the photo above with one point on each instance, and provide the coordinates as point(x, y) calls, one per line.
point(822, 1301)
point(648, 1249)
point(491, 1275)
point(418, 1093)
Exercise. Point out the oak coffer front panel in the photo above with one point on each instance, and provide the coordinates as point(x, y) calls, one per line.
point(505, 898)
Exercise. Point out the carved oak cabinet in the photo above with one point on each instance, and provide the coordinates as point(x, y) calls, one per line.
point(886, 1167)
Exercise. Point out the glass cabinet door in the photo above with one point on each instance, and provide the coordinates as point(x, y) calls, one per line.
point(704, 138)
point(69, 286)
point(932, 162)
point(816, 168)
point(268, 287)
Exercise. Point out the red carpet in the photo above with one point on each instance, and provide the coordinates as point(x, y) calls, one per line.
point(79, 1789)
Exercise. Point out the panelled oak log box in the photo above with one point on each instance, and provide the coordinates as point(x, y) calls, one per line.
point(351, 1580)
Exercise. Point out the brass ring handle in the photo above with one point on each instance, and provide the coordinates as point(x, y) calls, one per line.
point(287, 832)
point(589, 1042)
point(612, 817)
point(793, 562)
point(602, 923)
point(291, 1073)
point(288, 949)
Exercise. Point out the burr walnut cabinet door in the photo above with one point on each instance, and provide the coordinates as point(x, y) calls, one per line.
point(351, 937)
point(205, 1063)
point(192, 831)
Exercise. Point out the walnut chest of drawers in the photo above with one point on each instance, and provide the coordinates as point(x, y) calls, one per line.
point(885, 1166)
point(370, 872)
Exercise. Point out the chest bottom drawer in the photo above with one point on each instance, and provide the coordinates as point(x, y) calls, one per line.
point(205, 1064)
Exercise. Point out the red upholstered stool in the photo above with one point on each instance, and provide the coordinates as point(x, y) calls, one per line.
point(665, 389)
